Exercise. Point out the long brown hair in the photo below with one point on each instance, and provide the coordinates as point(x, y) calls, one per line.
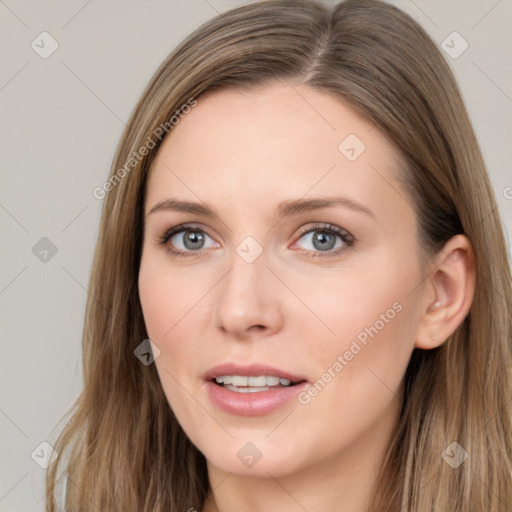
point(123, 447)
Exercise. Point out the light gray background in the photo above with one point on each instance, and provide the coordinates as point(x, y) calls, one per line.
point(61, 119)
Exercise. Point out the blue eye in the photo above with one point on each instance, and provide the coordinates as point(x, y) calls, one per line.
point(326, 239)
point(188, 245)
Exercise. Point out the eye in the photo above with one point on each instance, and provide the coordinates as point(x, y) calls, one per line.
point(326, 238)
point(185, 240)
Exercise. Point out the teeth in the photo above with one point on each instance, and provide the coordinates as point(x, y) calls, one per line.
point(268, 381)
point(238, 380)
point(256, 383)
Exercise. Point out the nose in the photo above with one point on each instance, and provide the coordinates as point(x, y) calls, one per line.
point(247, 300)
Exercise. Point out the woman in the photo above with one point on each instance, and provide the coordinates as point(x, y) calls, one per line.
point(299, 218)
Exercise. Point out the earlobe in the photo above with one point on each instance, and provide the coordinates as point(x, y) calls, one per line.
point(452, 286)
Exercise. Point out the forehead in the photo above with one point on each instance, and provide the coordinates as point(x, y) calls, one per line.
point(274, 142)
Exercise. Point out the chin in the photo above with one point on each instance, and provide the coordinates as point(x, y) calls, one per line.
point(257, 459)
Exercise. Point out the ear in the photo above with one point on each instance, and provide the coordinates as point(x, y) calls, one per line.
point(448, 293)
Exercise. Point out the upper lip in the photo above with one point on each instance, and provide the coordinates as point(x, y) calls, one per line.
point(251, 370)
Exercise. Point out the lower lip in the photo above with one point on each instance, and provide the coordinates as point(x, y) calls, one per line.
point(252, 404)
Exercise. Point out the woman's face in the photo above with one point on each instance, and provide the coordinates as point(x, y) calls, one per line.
point(267, 280)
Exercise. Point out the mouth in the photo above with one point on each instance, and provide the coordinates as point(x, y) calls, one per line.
point(253, 384)
point(253, 389)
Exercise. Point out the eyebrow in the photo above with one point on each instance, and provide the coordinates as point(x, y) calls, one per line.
point(284, 209)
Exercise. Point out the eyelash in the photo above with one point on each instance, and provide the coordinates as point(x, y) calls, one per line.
point(346, 237)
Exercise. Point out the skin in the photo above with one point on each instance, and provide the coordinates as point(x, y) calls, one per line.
point(242, 153)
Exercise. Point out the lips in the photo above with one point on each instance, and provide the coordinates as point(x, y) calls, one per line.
point(247, 400)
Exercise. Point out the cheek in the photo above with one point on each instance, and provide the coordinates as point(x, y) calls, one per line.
point(157, 300)
point(371, 319)
point(358, 373)
point(356, 304)
point(167, 296)
point(175, 312)
point(166, 303)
